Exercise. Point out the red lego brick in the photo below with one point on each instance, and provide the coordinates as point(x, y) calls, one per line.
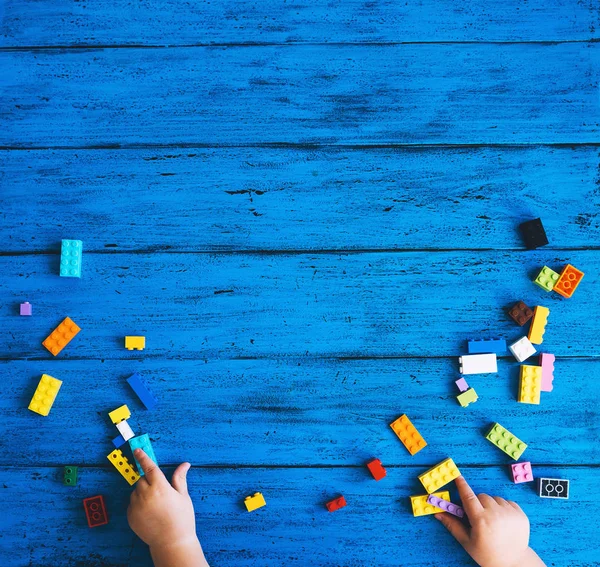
point(336, 504)
point(520, 313)
point(376, 469)
point(95, 511)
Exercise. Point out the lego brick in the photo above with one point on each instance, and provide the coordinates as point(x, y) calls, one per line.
point(568, 281)
point(121, 463)
point(547, 364)
point(118, 441)
point(408, 434)
point(61, 336)
point(533, 234)
point(522, 472)
point(25, 309)
point(254, 502)
point(538, 325)
point(557, 488)
point(446, 506)
point(522, 349)
point(506, 441)
point(70, 475)
point(477, 363)
point(70, 258)
point(546, 279)
point(45, 394)
point(462, 385)
point(125, 430)
point(421, 506)
point(482, 346)
point(135, 343)
point(468, 397)
point(95, 511)
point(142, 392)
point(520, 313)
point(530, 384)
point(142, 442)
point(336, 504)
point(119, 414)
point(439, 475)
point(376, 469)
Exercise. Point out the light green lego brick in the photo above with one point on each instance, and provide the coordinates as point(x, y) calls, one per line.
point(546, 279)
point(506, 441)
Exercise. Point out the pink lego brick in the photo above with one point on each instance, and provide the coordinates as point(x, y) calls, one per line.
point(547, 364)
point(25, 308)
point(522, 472)
point(446, 506)
point(462, 384)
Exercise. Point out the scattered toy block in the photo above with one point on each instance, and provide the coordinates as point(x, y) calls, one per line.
point(462, 385)
point(506, 441)
point(254, 502)
point(547, 364)
point(121, 463)
point(95, 511)
point(376, 469)
point(135, 343)
point(483, 346)
point(25, 309)
point(336, 504)
point(546, 279)
point(70, 258)
point(520, 313)
point(118, 441)
point(557, 488)
point(538, 325)
point(421, 506)
point(530, 384)
point(446, 506)
point(45, 394)
point(142, 392)
point(478, 364)
point(568, 281)
point(533, 234)
point(118, 415)
point(408, 434)
point(142, 442)
point(439, 475)
point(522, 349)
point(125, 430)
point(468, 397)
point(70, 475)
point(522, 472)
point(61, 336)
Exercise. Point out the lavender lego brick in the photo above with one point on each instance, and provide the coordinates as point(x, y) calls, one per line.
point(118, 441)
point(522, 472)
point(484, 346)
point(462, 385)
point(547, 364)
point(142, 392)
point(25, 308)
point(446, 506)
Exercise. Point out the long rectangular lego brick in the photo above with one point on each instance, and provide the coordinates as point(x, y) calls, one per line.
point(557, 488)
point(142, 392)
point(478, 363)
point(408, 434)
point(506, 441)
point(70, 258)
point(530, 384)
point(61, 336)
point(142, 442)
point(439, 475)
point(121, 463)
point(95, 511)
point(568, 281)
point(446, 506)
point(538, 325)
point(421, 507)
point(547, 364)
point(45, 394)
point(483, 346)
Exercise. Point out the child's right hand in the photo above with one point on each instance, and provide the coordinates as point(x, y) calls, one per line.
point(499, 532)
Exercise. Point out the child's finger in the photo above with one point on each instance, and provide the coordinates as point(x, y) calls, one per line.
point(179, 480)
point(151, 471)
point(470, 502)
point(455, 527)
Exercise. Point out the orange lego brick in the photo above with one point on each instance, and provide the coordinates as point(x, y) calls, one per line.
point(568, 281)
point(408, 434)
point(61, 336)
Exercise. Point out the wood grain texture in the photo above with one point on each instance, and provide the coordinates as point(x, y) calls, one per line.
point(218, 199)
point(176, 22)
point(408, 94)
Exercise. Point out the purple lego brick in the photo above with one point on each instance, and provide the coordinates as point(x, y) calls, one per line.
point(522, 472)
point(462, 384)
point(25, 308)
point(483, 346)
point(446, 506)
point(142, 392)
point(547, 364)
point(118, 441)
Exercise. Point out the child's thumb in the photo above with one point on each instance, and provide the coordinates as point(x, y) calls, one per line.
point(179, 480)
point(455, 527)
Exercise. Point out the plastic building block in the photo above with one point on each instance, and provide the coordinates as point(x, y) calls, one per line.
point(254, 502)
point(45, 394)
point(70, 258)
point(538, 325)
point(336, 504)
point(376, 469)
point(530, 384)
point(520, 313)
point(482, 346)
point(70, 476)
point(95, 511)
point(439, 475)
point(462, 385)
point(142, 442)
point(61, 336)
point(408, 434)
point(568, 281)
point(446, 506)
point(121, 463)
point(522, 349)
point(142, 392)
point(118, 441)
point(506, 441)
point(547, 364)
point(546, 279)
point(421, 506)
point(25, 309)
point(119, 414)
point(125, 430)
point(468, 397)
point(533, 234)
point(135, 343)
point(478, 363)
point(522, 472)
point(553, 488)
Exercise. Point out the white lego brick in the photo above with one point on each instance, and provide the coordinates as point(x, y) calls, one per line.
point(478, 363)
point(125, 431)
point(522, 349)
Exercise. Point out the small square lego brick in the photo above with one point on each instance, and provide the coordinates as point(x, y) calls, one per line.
point(120, 414)
point(533, 234)
point(142, 442)
point(376, 469)
point(522, 349)
point(25, 309)
point(547, 364)
point(446, 506)
point(506, 441)
point(546, 279)
point(557, 488)
point(70, 475)
point(408, 434)
point(462, 385)
point(421, 507)
point(135, 343)
point(530, 384)
point(568, 281)
point(125, 430)
point(70, 258)
point(61, 336)
point(336, 504)
point(124, 467)
point(520, 313)
point(478, 364)
point(439, 475)
point(522, 472)
point(254, 502)
point(95, 511)
point(483, 346)
point(118, 441)
point(468, 397)
point(45, 394)
point(142, 392)
point(538, 325)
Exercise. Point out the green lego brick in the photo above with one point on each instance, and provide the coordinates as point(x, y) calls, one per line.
point(546, 279)
point(70, 476)
point(506, 441)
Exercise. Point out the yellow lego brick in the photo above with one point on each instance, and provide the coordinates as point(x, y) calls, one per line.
point(121, 463)
point(61, 336)
point(421, 507)
point(120, 414)
point(254, 502)
point(538, 325)
point(530, 384)
point(45, 394)
point(135, 343)
point(408, 434)
point(439, 476)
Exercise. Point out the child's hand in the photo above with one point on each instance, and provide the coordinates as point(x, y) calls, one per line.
point(499, 532)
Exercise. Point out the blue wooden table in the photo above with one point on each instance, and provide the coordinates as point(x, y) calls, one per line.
point(306, 208)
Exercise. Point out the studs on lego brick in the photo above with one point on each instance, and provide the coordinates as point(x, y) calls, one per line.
point(553, 488)
point(70, 258)
point(439, 475)
point(478, 364)
point(254, 502)
point(568, 281)
point(376, 469)
point(25, 309)
point(533, 234)
point(538, 325)
point(45, 394)
point(408, 434)
point(120, 462)
point(95, 511)
point(506, 441)
point(70, 475)
point(61, 336)
point(446, 506)
point(522, 349)
point(520, 313)
point(336, 504)
point(522, 472)
point(546, 279)
point(530, 384)
point(421, 506)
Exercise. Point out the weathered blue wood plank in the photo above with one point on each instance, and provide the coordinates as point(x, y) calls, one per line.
point(176, 22)
point(280, 198)
point(410, 94)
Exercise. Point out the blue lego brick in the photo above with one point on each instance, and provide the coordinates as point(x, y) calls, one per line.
point(70, 258)
point(483, 346)
point(142, 392)
point(118, 441)
point(142, 442)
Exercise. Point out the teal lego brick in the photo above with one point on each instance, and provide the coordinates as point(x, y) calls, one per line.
point(70, 475)
point(546, 279)
point(142, 442)
point(506, 441)
point(70, 258)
